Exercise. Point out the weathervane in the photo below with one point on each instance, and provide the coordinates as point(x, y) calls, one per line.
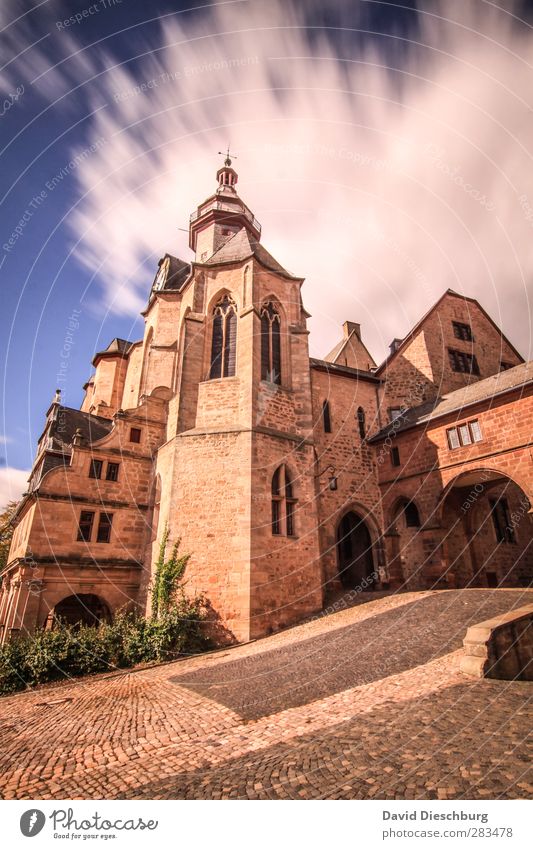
point(227, 154)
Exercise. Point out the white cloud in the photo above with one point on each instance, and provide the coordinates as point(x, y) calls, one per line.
point(381, 188)
point(13, 482)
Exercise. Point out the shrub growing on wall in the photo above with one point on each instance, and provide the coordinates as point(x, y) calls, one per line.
point(64, 651)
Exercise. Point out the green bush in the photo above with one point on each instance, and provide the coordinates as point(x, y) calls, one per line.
point(67, 651)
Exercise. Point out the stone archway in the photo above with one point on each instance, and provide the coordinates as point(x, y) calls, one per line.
point(81, 609)
point(488, 531)
point(355, 558)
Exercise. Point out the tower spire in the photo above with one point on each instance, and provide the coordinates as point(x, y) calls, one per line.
point(228, 156)
point(227, 176)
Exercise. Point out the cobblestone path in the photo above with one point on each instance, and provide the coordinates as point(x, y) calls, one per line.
point(368, 702)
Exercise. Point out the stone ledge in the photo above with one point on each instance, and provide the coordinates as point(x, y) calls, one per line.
point(501, 647)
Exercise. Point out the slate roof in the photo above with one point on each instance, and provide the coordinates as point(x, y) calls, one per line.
point(242, 246)
point(344, 371)
point(474, 393)
point(178, 272)
point(68, 420)
point(117, 346)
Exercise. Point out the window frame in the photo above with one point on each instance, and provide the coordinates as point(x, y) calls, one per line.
point(457, 359)
point(499, 511)
point(395, 456)
point(271, 365)
point(361, 422)
point(80, 537)
point(283, 503)
point(138, 435)
point(412, 515)
point(105, 522)
point(326, 416)
point(96, 468)
point(112, 465)
point(463, 331)
point(471, 425)
point(223, 357)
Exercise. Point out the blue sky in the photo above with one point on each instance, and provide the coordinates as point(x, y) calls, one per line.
point(385, 148)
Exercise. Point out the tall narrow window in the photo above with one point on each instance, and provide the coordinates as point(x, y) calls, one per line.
point(276, 502)
point(500, 519)
point(283, 503)
point(224, 340)
point(290, 501)
point(103, 533)
point(326, 417)
point(361, 422)
point(85, 526)
point(412, 518)
point(270, 344)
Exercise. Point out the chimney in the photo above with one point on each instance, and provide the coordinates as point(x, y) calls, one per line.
point(395, 344)
point(349, 327)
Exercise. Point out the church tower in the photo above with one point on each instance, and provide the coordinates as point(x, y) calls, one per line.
point(236, 474)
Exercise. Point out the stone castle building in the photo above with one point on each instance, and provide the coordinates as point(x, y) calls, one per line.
point(287, 478)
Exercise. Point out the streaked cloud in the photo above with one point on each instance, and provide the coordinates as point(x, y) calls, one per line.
point(13, 482)
point(382, 187)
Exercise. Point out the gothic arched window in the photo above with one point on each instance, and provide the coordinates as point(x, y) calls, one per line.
point(224, 344)
point(270, 344)
point(412, 517)
point(283, 502)
point(361, 422)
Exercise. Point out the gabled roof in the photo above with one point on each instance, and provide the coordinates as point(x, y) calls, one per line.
point(412, 333)
point(459, 399)
point(242, 246)
point(336, 352)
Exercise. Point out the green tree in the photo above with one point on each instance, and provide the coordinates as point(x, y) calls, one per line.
point(6, 531)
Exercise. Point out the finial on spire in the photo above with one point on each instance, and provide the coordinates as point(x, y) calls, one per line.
point(228, 156)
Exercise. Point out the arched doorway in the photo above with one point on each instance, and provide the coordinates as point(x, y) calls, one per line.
point(488, 531)
point(83, 609)
point(354, 552)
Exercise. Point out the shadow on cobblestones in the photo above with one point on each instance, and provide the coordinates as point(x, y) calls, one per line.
point(367, 651)
point(469, 740)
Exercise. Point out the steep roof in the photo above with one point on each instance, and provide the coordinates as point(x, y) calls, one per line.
point(343, 371)
point(69, 420)
point(412, 333)
point(242, 246)
point(353, 340)
point(459, 399)
point(122, 347)
point(178, 271)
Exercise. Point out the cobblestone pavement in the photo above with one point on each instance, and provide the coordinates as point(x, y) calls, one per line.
point(368, 702)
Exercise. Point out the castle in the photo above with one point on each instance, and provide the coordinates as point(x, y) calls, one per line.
point(289, 479)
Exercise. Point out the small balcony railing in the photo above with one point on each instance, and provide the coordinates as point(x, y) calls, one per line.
point(226, 208)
